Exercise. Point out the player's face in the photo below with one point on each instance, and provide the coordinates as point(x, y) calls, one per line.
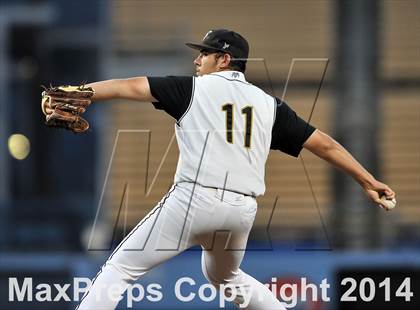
point(206, 63)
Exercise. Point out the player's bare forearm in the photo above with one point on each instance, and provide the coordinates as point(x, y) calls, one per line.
point(330, 150)
point(136, 88)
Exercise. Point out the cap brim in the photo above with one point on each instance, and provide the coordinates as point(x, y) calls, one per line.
point(203, 47)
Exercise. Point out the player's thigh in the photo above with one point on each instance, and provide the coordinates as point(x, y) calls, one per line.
point(155, 238)
point(224, 249)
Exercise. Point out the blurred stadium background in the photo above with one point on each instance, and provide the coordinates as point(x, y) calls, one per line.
point(313, 221)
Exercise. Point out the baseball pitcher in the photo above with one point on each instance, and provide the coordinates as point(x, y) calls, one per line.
point(225, 128)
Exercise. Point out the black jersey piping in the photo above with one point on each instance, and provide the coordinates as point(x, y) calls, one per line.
point(275, 109)
point(178, 122)
point(158, 207)
point(161, 204)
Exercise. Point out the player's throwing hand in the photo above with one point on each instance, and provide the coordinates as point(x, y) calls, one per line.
point(381, 194)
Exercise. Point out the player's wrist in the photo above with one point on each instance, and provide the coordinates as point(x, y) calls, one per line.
point(367, 181)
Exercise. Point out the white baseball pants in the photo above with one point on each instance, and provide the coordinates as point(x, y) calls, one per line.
point(188, 215)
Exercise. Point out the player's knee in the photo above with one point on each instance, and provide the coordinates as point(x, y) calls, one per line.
point(211, 279)
point(125, 272)
point(214, 280)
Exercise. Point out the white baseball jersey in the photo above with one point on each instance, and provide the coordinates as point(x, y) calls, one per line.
point(224, 129)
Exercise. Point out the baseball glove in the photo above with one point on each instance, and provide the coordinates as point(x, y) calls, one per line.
point(64, 105)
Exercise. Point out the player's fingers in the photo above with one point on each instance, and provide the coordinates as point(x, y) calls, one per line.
point(379, 202)
point(382, 205)
point(384, 189)
point(389, 193)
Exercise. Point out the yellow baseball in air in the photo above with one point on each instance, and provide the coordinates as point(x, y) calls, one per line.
point(19, 146)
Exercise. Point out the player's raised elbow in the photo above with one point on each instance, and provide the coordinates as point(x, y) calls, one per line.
point(320, 143)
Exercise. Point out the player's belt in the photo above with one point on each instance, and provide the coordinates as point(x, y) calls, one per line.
point(228, 190)
point(215, 189)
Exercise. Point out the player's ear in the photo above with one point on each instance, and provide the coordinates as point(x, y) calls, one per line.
point(228, 59)
point(224, 61)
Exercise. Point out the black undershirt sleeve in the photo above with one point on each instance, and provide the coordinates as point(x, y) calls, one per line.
point(173, 94)
point(289, 131)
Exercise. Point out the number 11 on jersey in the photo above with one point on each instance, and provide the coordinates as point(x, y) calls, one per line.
point(248, 113)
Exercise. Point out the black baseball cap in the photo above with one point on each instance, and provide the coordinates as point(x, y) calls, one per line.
point(223, 40)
